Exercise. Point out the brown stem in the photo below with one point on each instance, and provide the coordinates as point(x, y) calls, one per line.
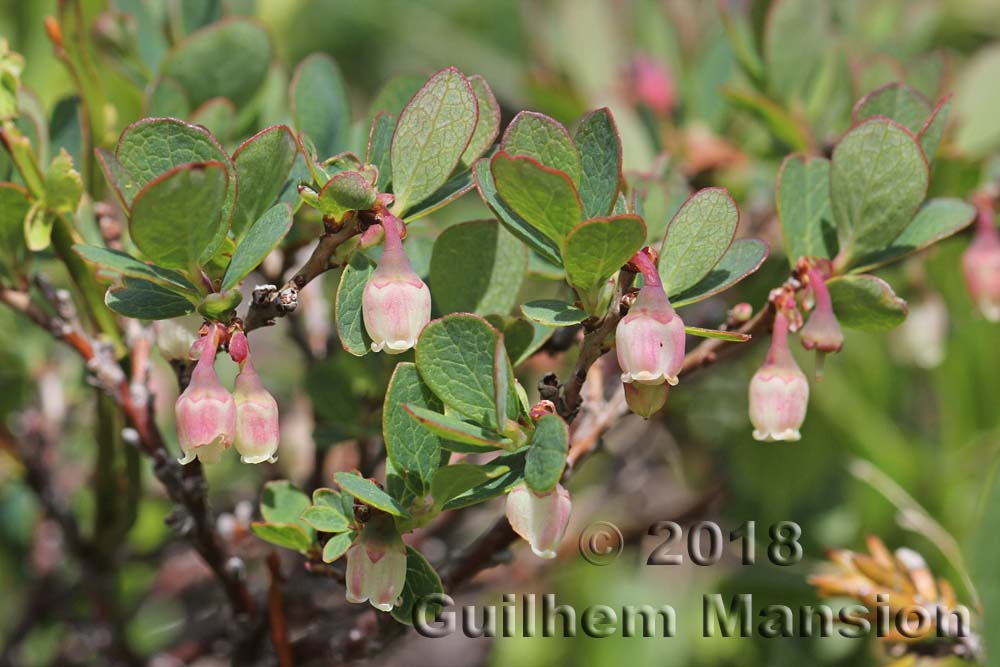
point(270, 303)
point(184, 487)
point(276, 612)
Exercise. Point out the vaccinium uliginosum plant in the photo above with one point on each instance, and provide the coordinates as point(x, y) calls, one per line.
point(458, 428)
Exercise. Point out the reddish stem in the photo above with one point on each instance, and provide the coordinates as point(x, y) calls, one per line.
point(393, 236)
point(820, 291)
point(649, 271)
point(778, 352)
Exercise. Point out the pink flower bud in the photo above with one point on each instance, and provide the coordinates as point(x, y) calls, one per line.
point(645, 400)
point(257, 432)
point(540, 519)
point(981, 265)
point(822, 331)
point(206, 412)
point(650, 338)
point(376, 565)
point(652, 85)
point(396, 303)
point(779, 390)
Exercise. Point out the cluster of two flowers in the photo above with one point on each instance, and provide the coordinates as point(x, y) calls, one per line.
point(650, 343)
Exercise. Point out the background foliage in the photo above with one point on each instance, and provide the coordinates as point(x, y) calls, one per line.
point(933, 431)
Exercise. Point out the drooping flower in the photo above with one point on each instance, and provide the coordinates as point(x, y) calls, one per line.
point(822, 332)
point(396, 303)
point(539, 518)
point(779, 390)
point(376, 564)
point(206, 412)
point(650, 338)
point(981, 264)
point(257, 431)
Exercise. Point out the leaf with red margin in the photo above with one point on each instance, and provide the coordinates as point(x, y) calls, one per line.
point(932, 131)
point(600, 147)
point(697, 238)
point(742, 258)
point(263, 163)
point(544, 197)
point(544, 139)
point(176, 218)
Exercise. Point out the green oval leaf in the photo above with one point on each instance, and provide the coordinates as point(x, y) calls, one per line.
point(517, 225)
point(319, 104)
point(337, 546)
point(348, 312)
point(379, 141)
point(597, 248)
point(144, 300)
point(546, 458)
point(600, 147)
point(544, 139)
point(497, 486)
point(367, 492)
point(477, 267)
point(226, 59)
point(697, 238)
point(263, 165)
point(287, 535)
point(415, 452)
point(421, 582)
point(802, 194)
point(176, 218)
point(325, 519)
point(455, 430)
point(742, 258)
point(553, 313)
point(455, 359)
point(897, 101)
point(260, 240)
point(542, 196)
point(281, 502)
point(433, 131)
point(866, 302)
point(878, 178)
point(488, 124)
point(127, 265)
point(937, 219)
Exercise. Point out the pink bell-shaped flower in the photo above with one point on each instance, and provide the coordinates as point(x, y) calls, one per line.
point(206, 412)
point(779, 390)
point(396, 303)
point(650, 338)
point(822, 331)
point(539, 518)
point(376, 564)
point(981, 264)
point(257, 431)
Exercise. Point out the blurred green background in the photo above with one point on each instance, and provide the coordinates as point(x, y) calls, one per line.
point(934, 431)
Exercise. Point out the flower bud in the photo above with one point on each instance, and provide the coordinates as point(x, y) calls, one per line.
point(540, 519)
point(652, 85)
point(650, 338)
point(981, 265)
point(779, 390)
point(206, 412)
point(376, 564)
point(645, 400)
point(396, 303)
point(257, 432)
point(822, 331)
